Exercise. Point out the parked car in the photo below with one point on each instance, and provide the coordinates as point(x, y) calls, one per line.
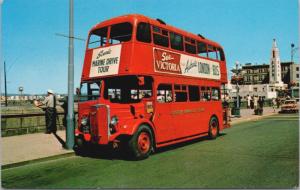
point(290, 106)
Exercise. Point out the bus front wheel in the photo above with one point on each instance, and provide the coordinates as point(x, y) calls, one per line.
point(141, 143)
point(213, 127)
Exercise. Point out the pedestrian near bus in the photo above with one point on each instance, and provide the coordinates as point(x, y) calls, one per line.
point(261, 104)
point(49, 104)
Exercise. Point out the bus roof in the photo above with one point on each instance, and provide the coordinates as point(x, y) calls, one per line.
point(135, 18)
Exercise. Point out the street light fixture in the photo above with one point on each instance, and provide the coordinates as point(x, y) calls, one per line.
point(293, 50)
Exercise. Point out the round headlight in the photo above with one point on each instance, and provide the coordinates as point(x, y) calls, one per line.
point(114, 120)
point(84, 121)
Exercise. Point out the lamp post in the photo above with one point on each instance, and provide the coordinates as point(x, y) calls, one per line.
point(293, 50)
point(70, 115)
point(21, 92)
point(237, 79)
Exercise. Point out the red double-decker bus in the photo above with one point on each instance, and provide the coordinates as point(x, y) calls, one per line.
point(146, 84)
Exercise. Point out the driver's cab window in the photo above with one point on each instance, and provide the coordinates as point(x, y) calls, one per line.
point(164, 93)
point(89, 91)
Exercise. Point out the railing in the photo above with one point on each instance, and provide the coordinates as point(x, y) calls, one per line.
point(18, 124)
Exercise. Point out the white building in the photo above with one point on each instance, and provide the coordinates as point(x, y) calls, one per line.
point(265, 90)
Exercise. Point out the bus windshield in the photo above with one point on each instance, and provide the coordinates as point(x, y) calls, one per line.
point(127, 89)
point(89, 90)
point(120, 32)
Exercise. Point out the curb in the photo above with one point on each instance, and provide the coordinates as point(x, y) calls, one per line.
point(12, 165)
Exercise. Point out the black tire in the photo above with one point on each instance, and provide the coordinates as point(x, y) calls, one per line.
point(81, 147)
point(143, 136)
point(213, 131)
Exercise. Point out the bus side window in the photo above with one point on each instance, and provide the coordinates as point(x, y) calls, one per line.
point(208, 94)
point(194, 93)
point(143, 33)
point(212, 52)
point(160, 37)
point(201, 49)
point(176, 41)
point(203, 91)
point(215, 94)
point(205, 94)
point(181, 95)
point(164, 93)
point(190, 45)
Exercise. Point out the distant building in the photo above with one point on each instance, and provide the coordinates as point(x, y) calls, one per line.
point(265, 80)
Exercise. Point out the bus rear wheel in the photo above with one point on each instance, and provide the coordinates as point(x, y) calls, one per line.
point(213, 127)
point(141, 143)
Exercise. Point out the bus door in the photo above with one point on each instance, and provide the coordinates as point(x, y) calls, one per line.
point(162, 114)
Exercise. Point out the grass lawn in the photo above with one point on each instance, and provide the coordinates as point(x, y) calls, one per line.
point(257, 154)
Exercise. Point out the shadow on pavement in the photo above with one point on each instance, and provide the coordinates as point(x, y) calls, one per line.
point(108, 153)
point(60, 140)
point(186, 143)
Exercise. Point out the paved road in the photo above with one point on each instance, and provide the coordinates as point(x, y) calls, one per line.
point(256, 154)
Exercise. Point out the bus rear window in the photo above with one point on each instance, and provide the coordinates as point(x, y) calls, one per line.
point(98, 38)
point(120, 33)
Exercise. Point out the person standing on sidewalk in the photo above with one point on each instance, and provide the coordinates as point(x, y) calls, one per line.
point(255, 101)
point(248, 101)
point(274, 104)
point(261, 105)
point(50, 111)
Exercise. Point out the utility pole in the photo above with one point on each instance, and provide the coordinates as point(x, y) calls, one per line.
point(70, 115)
point(5, 88)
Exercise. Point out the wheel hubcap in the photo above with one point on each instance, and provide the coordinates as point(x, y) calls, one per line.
point(144, 142)
point(214, 128)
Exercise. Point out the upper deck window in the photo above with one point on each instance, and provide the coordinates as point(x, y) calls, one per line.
point(143, 33)
point(98, 38)
point(160, 37)
point(202, 49)
point(120, 33)
point(212, 52)
point(190, 45)
point(176, 41)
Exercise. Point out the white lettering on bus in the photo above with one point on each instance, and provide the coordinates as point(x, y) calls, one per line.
point(167, 66)
point(166, 57)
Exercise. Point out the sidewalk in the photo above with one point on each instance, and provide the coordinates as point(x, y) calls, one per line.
point(248, 115)
point(32, 146)
point(28, 147)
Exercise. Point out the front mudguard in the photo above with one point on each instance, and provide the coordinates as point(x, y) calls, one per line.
point(128, 128)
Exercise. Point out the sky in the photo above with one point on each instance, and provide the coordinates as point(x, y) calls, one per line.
point(37, 59)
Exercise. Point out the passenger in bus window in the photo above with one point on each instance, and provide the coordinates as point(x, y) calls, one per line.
point(160, 96)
